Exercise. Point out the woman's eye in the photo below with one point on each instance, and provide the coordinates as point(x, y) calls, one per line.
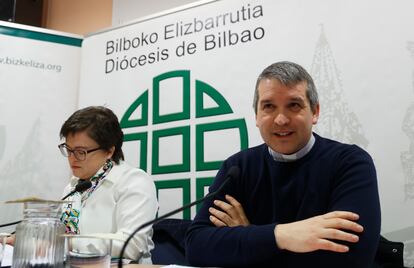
point(80, 152)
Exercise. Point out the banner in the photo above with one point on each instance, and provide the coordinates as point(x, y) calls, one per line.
point(39, 76)
point(182, 84)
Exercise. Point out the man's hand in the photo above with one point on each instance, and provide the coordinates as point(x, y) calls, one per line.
point(318, 232)
point(229, 214)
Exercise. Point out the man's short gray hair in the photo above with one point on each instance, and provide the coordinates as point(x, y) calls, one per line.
point(289, 74)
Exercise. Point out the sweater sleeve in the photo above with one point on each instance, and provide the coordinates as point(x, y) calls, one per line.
point(207, 245)
point(355, 189)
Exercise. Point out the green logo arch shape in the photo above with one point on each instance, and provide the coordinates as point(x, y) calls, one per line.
point(181, 129)
point(222, 107)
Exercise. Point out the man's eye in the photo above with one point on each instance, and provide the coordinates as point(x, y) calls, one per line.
point(295, 107)
point(267, 106)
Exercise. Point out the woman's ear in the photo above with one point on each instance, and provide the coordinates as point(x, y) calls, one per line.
point(111, 152)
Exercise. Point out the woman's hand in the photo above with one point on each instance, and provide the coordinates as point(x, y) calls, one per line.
point(10, 240)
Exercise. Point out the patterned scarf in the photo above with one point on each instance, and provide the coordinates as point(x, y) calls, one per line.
point(72, 211)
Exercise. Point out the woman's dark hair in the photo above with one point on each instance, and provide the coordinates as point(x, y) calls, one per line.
point(101, 125)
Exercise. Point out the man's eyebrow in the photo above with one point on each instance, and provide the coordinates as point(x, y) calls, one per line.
point(265, 101)
point(298, 99)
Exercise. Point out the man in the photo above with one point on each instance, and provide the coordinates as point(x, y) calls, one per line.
point(300, 200)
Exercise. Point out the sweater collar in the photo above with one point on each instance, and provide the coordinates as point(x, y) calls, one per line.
point(295, 156)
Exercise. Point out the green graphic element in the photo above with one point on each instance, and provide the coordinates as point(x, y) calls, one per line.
point(185, 164)
point(204, 88)
point(142, 101)
point(184, 184)
point(53, 38)
point(203, 128)
point(178, 124)
point(143, 139)
point(201, 183)
point(185, 114)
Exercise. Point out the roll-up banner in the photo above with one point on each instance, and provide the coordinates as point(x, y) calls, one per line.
point(182, 84)
point(39, 77)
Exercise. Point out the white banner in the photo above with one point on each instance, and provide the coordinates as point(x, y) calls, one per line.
point(182, 85)
point(39, 76)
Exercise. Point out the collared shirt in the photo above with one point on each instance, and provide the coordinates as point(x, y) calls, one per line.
point(295, 156)
point(125, 199)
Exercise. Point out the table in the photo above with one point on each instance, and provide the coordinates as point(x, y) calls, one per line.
point(142, 266)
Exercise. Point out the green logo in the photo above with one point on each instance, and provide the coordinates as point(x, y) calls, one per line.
point(194, 118)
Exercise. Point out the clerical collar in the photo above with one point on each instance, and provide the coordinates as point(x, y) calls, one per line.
point(295, 156)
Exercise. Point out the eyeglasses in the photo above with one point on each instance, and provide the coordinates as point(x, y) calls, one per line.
point(80, 154)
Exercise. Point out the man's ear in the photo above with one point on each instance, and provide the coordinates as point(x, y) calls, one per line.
point(315, 114)
point(255, 117)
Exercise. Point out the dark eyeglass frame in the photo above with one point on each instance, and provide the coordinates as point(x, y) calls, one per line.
point(80, 154)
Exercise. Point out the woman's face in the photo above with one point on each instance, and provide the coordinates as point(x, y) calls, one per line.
point(85, 169)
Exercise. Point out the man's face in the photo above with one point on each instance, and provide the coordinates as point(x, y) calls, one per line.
point(284, 115)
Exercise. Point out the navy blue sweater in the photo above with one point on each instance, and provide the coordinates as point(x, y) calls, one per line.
point(332, 176)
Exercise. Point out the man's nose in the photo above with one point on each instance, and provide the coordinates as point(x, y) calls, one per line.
point(281, 119)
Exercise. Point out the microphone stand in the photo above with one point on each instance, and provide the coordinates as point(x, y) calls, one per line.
point(155, 221)
point(9, 224)
point(233, 172)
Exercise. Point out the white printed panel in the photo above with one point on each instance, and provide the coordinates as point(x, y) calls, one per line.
point(39, 82)
point(170, 199)
point(214, 142)
point(364, 77)
point(131, 151)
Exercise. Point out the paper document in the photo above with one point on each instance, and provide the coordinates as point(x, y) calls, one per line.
point(8, 256)
point(177, 266)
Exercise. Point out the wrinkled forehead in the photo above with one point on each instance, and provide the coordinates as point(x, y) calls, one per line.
point(271, 84)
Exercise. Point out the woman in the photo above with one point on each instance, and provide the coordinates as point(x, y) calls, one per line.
point(121, 197)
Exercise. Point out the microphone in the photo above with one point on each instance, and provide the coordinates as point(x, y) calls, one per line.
point(233, 172)
point(80, 187)
point(9, 224)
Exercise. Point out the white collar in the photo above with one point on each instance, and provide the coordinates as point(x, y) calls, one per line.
point(295, 156)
